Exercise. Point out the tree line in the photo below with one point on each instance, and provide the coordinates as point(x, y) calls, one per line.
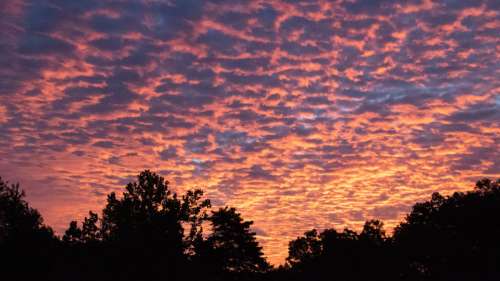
point(152, 233)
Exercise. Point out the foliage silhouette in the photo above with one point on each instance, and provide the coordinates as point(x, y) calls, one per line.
point(143, 230)
point(89, 233)
point(150, 233)
point(453, 237)
point(24, 239)
point(446, 238)
point(232, 250)
point(346, 255)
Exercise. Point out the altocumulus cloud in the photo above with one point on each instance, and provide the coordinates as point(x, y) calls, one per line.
point(270, 106)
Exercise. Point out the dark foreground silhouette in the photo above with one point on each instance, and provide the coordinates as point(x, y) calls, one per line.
point(150, 233)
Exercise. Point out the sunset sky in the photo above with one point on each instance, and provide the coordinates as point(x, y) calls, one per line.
point(301, 114)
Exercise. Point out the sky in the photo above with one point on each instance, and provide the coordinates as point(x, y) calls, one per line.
point(301, 114)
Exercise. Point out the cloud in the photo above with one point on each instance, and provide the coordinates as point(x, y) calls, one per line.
point(388, 212)
point(104, 144)
point(35, 44)
point(168, 153)
point(257, 172)
point(477, 112)
point(267, 105)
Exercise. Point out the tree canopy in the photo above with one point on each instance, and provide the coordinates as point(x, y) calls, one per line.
point(233, 243)
point(24, 239)
point(151, 233)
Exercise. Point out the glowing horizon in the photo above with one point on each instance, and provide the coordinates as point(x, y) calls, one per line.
point(301, 114)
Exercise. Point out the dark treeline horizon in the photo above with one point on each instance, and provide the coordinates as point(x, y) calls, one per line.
point(152, 233)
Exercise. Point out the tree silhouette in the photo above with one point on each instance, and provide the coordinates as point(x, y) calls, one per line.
point(24, 239)
point(17, 218)
point(346, 255)
point(145, 229)
point(89, 233)
point(453, 237)
point(149, 233)
point(233, 247)
point(304, 250)
point(373, 231)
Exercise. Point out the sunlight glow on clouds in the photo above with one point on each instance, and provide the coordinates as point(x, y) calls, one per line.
point(301, 114)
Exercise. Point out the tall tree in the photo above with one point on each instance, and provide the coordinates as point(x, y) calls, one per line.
point(234, 245)
point(144, 229)
point(149, 208)
point(26, 244)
